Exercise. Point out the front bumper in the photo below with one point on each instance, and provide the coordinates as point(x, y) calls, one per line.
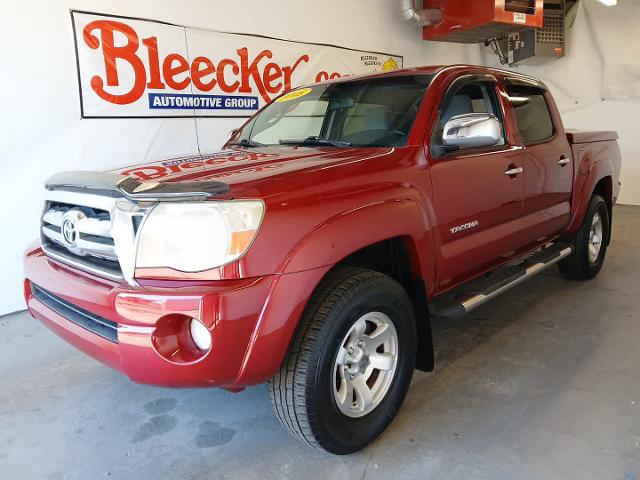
point(250, 327)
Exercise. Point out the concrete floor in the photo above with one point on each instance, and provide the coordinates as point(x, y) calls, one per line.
point(542, 383)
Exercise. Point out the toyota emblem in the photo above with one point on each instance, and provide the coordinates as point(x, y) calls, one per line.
point(69, 232)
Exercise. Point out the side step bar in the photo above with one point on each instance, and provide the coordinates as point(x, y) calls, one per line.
point(478, 292)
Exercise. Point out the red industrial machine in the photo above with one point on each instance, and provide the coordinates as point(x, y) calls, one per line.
point(476, 21)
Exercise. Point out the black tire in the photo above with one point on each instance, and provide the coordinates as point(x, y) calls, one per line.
point(578, 266)
point(302, 391)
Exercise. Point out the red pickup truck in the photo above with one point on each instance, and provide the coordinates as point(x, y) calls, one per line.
point(314, 249)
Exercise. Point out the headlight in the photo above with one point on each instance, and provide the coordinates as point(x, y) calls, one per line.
point(197, 236)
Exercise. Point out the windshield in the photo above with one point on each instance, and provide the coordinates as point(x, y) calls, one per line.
point(374, 112)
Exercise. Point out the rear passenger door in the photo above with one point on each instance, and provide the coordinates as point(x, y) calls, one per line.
point(547, 162)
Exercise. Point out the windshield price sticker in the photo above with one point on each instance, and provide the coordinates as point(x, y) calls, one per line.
point(295, 94)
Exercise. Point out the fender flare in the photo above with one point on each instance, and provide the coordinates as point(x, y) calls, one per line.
point(587, 182)
point(308, 263)
point(353, 230)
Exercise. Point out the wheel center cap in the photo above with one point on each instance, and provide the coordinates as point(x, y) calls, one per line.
point(357, 360)
point(364, 363)
point(358, 354)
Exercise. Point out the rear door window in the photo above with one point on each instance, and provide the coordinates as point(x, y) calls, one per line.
point(533, 115)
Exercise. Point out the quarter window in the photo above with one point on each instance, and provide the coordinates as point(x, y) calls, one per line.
point(533, 115)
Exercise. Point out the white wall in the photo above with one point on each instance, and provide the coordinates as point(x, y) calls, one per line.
point(597, 85)
point(41, 127)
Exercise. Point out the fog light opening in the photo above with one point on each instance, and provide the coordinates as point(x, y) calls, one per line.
point(200, 335)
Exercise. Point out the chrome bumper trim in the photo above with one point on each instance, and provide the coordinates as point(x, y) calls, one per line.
point(72, 262)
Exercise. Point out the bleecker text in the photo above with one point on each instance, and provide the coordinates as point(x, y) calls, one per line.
point(120, 42)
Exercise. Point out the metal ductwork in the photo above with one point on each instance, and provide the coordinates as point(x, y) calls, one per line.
point(420, 17)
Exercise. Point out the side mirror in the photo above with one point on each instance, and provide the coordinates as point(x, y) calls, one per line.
point(472, 130)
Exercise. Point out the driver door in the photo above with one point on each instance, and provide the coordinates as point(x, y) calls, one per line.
point(478, 191)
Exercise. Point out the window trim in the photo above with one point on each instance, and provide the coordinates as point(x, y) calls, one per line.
point(525, 82)
point(454, 86)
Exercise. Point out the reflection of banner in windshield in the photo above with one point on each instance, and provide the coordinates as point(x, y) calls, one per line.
point(131, 67)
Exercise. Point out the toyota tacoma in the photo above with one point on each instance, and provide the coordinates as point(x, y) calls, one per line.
point(312, 251)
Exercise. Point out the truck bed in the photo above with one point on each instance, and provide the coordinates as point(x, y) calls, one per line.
point(590, 136)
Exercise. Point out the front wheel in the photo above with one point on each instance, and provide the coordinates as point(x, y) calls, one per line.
point(589, 243)
point(350, 364)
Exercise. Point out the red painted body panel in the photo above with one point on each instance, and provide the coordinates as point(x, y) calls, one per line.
point(547, 185)
point(323, 204)
point(488, 197)
point(244, 316)
point(596, 162)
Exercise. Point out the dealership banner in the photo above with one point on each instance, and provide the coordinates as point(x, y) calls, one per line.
point(146, 68)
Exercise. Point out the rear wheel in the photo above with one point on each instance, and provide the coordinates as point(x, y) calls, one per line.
point(589, 243)
point(350, 363)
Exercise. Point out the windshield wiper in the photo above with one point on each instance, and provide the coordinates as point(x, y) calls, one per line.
point(247, 143)
point(315, 141)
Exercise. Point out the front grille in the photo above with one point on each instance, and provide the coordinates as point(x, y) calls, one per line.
point(90, 228)
point(99, 266)
point(80, 235)
point(93, 323)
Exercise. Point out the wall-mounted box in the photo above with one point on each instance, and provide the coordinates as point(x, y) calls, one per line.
point(475, 21)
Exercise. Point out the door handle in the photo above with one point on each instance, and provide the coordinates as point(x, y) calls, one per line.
point(563, 161)
point(514, 171)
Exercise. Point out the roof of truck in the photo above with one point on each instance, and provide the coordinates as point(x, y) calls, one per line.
point(435, 69)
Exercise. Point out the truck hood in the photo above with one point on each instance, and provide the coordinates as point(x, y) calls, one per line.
point(243, 168)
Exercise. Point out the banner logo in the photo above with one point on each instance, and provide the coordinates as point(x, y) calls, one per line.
point(145, 68)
